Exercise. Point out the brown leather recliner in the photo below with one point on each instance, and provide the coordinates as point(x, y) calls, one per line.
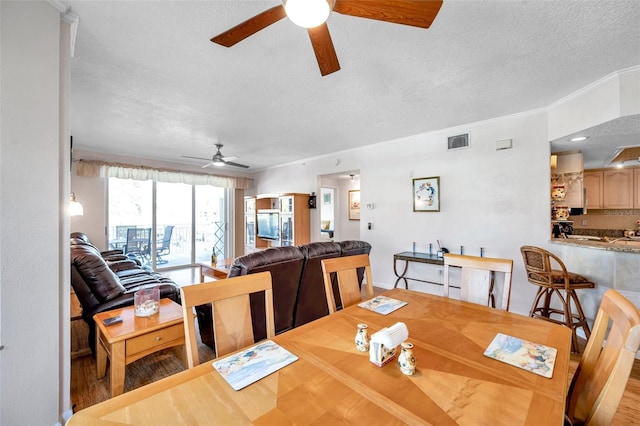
point(108, 280)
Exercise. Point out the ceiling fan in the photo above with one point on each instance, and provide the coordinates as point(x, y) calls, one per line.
point(312, 14)
point(218, 159)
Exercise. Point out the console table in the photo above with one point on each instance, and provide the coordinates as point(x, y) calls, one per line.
point(411, 256)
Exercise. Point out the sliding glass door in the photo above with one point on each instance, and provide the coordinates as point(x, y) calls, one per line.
point(168, 224)
point(174, 220)
point(210, 222)
point(130, 216)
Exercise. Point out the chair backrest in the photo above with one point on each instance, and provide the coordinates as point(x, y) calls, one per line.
point(121, 231)
point(166, 238)
point(478, 278)
point(602, 374)
point(346, 269)
point(232, 323)
point(285, 265)
point(539, 264)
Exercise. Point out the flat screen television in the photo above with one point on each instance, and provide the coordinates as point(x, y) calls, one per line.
point(268, 225)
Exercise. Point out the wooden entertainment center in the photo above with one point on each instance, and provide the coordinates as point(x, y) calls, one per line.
point(276, 220)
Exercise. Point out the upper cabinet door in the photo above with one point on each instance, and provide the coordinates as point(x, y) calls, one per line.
point(618, 189)
point(636, 192)
point(593, 185)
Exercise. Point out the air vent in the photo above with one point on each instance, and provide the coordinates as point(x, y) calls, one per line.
point(458, 141)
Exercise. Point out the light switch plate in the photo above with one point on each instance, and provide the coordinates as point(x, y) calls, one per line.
point(504, 144)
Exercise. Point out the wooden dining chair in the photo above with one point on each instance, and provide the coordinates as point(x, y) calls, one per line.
point(478, 278)
point(346, 270)
point(602, 374)
point(232, 325)
point(547, 271)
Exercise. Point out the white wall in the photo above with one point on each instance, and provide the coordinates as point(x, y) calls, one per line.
point(31, 200)
point(91, 193)
point(493, 199)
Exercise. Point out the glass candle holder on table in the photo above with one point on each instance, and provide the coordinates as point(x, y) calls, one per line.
point(147, 302)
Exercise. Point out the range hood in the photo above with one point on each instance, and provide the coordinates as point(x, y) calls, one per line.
point(626, 156)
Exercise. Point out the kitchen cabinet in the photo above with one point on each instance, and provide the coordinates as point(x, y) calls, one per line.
point(569, 172)
point(636, 189)
point(593, 185)
point(618, 188)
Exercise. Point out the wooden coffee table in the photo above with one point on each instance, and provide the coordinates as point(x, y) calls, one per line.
point(218, 271)
point(134, 338)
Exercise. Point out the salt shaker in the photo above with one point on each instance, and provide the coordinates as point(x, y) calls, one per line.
point(362, 338)
point(406, 361)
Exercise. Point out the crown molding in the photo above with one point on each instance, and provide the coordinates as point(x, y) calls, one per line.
point(586, 89)
point(70, 18)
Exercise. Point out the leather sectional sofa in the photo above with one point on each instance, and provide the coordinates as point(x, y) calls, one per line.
point(298, 287)
point(108, 280)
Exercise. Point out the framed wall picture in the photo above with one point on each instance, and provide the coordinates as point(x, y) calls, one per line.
point(326, 198)
point(354, 205)
point(426, 194)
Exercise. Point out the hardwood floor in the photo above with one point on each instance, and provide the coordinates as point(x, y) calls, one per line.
point(87, 390)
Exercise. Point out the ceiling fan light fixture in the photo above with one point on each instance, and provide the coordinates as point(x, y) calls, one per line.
point(218, 162)
point(307, 13)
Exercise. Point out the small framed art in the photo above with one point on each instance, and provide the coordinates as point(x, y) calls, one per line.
point(354, 205)
point(426, 194)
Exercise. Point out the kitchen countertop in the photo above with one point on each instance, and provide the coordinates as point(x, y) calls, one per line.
point(622, 245)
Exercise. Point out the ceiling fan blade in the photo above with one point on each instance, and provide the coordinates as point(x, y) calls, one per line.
point(416, 13)
point(197, 158)
point(250, 26)
point(231, 158)
point(209, 164)
point(229, 163)
point(324, 50)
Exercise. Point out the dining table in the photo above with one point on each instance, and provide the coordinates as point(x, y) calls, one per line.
point(331, 382)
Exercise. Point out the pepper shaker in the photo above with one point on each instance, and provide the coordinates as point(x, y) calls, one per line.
point(362, 338)
point(406, 360)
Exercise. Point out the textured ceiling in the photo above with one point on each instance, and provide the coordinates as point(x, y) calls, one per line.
point(604, 141)
point(147, 82)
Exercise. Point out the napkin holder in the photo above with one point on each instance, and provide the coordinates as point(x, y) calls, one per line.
point(382, 347)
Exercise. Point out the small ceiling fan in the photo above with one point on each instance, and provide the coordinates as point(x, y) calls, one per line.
point(312, 14)
point(218, 159)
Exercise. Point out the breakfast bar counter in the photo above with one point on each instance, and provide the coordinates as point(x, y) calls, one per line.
point(623, 245)
point(609, 264)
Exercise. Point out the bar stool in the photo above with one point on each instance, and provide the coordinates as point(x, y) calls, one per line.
point(559, 282)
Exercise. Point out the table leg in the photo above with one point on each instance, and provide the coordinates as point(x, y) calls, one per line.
point(117, 368)
point(201, 274)
point(101, 355)
point(402, 275)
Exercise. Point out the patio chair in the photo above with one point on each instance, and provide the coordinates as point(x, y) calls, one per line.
point(138, 242)
point(165, 248)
